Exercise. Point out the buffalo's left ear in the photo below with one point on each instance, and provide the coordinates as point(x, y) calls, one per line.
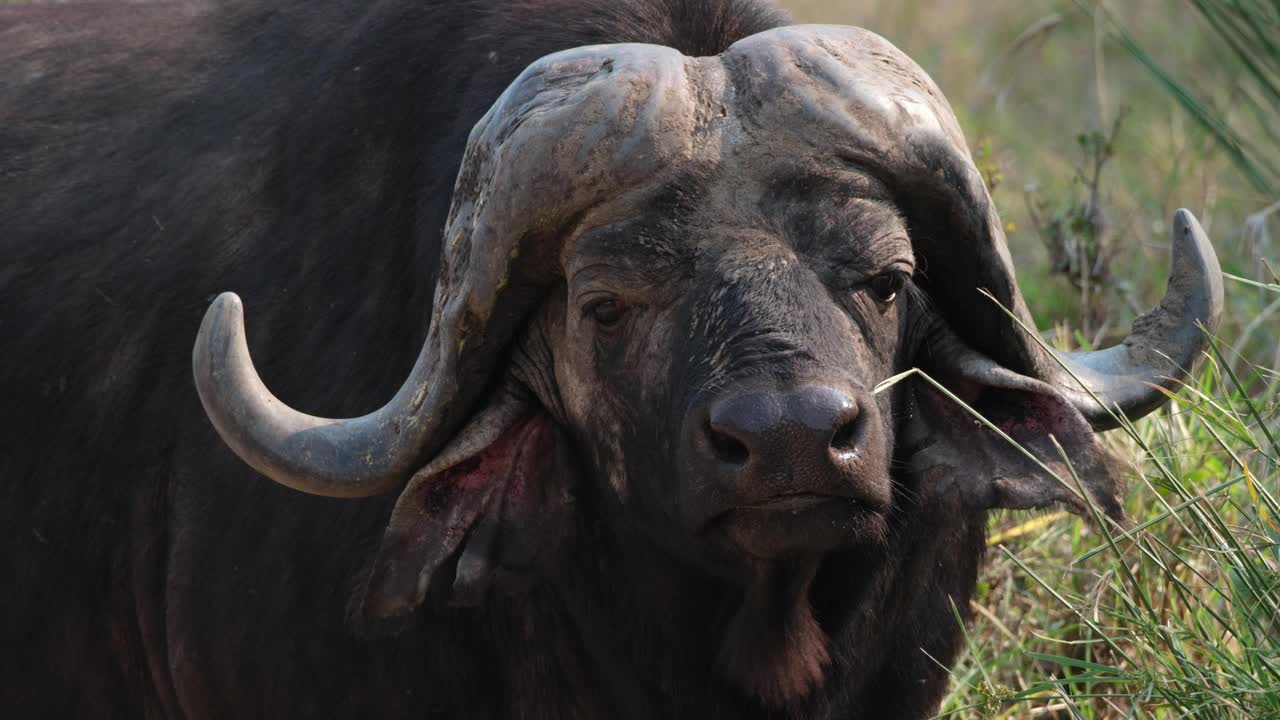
point(951, 450)
point(495, 499)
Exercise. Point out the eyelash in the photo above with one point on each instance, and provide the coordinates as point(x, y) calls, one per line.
point(884, 288)
point(607, 312)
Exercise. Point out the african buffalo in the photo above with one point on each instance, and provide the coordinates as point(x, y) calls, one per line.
point(645, 264)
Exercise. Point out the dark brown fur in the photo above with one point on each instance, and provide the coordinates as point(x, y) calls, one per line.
point(302, 154)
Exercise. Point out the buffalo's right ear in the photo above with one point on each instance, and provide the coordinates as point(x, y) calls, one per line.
point(496, 498)
point(951, 450)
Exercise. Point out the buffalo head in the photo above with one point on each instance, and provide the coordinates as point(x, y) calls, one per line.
point(688, 278)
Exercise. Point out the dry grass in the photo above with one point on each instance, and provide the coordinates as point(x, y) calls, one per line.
point(1179, 616)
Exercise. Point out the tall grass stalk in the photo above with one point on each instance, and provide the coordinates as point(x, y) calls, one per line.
point(1176, 616)
point(1173, 615)
point(1248, 131)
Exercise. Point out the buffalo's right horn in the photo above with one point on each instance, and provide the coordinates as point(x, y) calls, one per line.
point(340, 458)
point(589, 129)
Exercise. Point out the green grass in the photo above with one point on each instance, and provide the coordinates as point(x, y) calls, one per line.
point(1024, 106)
point(1176, 615)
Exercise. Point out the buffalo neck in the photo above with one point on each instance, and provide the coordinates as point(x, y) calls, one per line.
point(649, 626)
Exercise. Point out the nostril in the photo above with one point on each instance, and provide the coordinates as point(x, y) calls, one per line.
point(846, 437)
point(726, 447)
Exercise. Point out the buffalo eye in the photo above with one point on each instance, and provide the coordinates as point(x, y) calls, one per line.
point(886, 285)
point(607, 312)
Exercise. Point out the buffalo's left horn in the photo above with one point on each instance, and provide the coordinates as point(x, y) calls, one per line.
point(354, 457)
point(877, 111)
point(1162, 346)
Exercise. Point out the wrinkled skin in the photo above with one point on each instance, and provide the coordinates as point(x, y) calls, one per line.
point(667, 489)
point(706, 308)
point(726, 292)
point(705, 305)
point(709, 308)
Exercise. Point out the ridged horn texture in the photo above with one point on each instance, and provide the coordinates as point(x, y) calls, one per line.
point(1163, 345)
point(341, 458)
point(579, 130)
point(853, 95)
point(587, 136)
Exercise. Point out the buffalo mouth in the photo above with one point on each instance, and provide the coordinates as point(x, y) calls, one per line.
point(797, 523)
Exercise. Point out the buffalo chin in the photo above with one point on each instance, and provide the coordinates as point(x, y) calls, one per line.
point(774, 649)
point(797, 525)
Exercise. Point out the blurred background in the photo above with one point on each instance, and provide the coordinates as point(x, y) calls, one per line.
point(1093, 121)
point(1089, 150)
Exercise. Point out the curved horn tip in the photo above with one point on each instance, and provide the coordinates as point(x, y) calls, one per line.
point(320, 456)
point(1195, 269)
point(1163, 345)
point(226, 309)
point(226, 303)
point(221, 327)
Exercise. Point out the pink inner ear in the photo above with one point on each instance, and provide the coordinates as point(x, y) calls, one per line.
point(533, 448)
point(498, 540)
point(1026, 417)
point(528, 466)
point(514, 460)
point(436, 512)
point(1034, 421)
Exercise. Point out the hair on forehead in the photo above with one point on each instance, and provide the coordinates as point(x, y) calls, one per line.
point(649, 230)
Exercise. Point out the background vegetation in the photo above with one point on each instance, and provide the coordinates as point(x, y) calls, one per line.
point(1094, 121)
